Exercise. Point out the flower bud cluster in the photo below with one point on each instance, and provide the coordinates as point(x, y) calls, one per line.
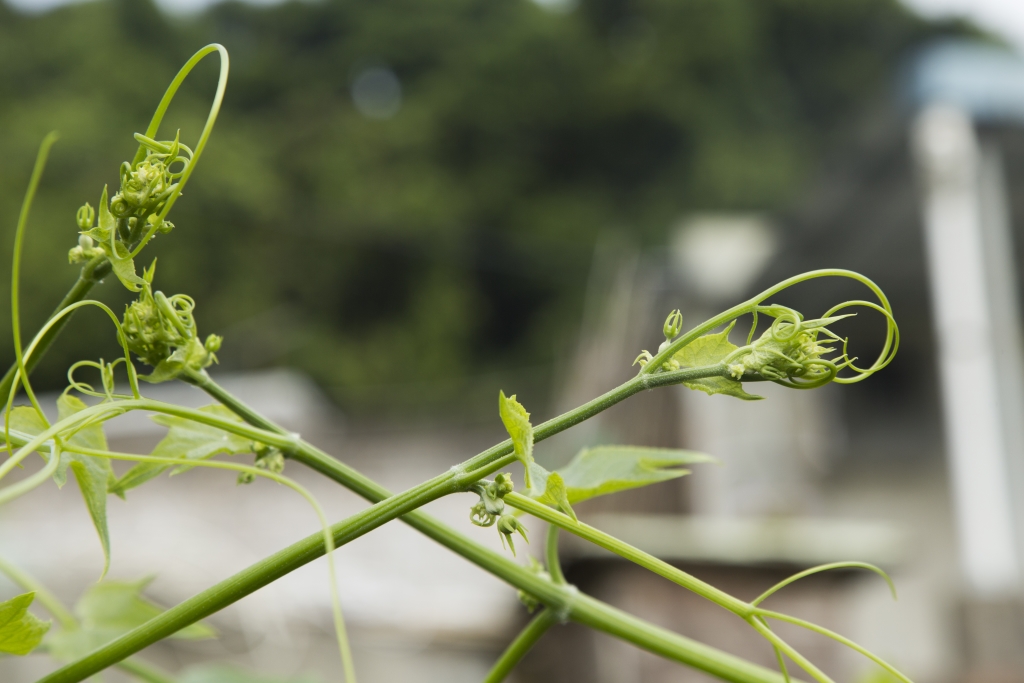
point(491, 509)
point(162, 332)
point(86, 250)
point(148, 184)
point(788, 349)
point(267, 458)
point(145, 188)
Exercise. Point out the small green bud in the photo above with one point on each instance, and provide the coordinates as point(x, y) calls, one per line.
point(267, 458)
point(644, 358)
point(507, 526)
point(213, 343)
point(85, 250)
point(492, 503)
point(673, 325)
point(85, 217)
point(270, 459)
point(503, 484)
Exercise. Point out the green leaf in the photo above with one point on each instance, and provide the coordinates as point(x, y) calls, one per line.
point(192, 354)
point(186, 440)
point(20, 631)
point(26, 419)
point(122, 264)
point(93, 474)
point(517, 423)
point(104, 228)
point(607, 469)
point(108, 610)
point(556, 492)
point(124, 269)
point(710, 350)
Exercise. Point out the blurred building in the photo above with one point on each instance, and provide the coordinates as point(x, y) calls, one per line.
point(918, 469)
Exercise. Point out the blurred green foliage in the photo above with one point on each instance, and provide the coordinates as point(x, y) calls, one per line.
point(451, 241)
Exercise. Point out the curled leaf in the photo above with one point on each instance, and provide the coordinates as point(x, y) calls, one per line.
point(517, 423)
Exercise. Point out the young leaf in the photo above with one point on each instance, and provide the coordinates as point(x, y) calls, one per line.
point(122, 264)
point(709, 350)
point(108, 610)
point(26, 419)
point(20, 631)
point(556, 491)
point(193, 353)
point(186, 440)
point(107, 223)
point(124, 268)
point(93, 474)
point(607, 469)
point(517, 423)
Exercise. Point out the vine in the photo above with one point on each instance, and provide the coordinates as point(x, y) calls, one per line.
point(160, 331)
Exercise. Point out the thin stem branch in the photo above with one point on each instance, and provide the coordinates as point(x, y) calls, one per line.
point(565, 600)
point(828, 633)
point(19, 239)
point(781, 645)
point(92, 272)
point(554, 565)
point(559, 520)
point(526, 639)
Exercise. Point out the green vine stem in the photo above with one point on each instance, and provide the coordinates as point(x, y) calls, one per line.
point(19, 238)
point(749, 612)
point(92, 272)
point(559, 520)
point(537, 626)
point(551, 554)
point(565, 599)
point(526, 639)
point(456, 479)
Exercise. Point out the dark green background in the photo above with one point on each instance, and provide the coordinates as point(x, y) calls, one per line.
point(411, 264)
